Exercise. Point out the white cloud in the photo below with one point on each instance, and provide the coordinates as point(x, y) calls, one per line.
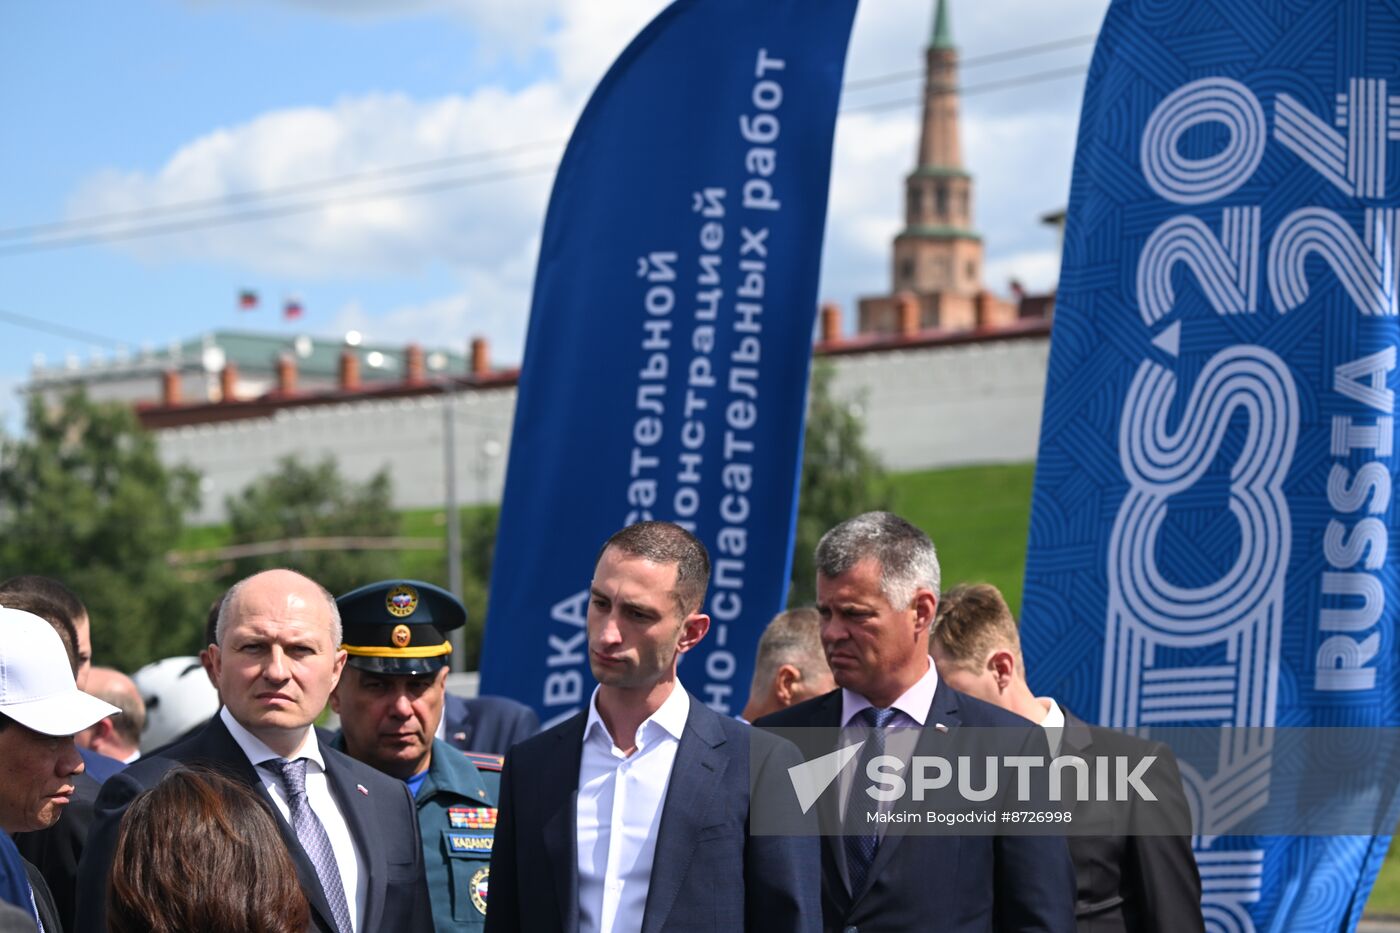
point(489, 303)
point(348, 235)
point(1018, 143)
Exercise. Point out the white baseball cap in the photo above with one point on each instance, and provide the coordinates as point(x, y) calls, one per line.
point(36, 679)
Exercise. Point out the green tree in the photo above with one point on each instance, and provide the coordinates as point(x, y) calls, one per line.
point(478, 551)
point(840, 477)
point(85, 498)
point(299, 502)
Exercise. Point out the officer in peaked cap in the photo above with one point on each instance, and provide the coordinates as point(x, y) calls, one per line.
point(390, 702)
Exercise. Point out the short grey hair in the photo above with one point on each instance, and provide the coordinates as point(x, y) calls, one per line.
point(225, 611)
point(905, 554)
point(793, 637)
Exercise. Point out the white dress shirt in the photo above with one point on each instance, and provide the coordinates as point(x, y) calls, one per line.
point(910, 714)
point(1053, 723)
point(619, 811)
point(911, 709)
point(318, 793)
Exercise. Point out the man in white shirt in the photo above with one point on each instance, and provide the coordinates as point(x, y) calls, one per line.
point(634, 814)
point(1139, 874)
point(351, 830)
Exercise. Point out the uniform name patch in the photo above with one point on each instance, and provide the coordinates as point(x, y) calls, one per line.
point(469, 843)
point(472, 817)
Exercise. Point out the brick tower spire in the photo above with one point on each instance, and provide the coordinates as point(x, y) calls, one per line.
point(938, 251)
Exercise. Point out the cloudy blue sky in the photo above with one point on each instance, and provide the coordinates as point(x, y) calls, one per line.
point(396, 158)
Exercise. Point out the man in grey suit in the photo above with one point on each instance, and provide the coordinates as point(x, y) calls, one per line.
point(634, 814)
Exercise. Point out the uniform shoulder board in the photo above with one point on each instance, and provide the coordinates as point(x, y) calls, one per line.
point(486, 761)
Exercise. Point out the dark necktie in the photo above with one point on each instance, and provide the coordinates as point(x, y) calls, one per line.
point(862, 837)
point(312, 836)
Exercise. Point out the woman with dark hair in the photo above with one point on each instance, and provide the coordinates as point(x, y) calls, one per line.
point(200, 853)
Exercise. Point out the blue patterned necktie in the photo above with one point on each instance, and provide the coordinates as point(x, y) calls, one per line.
point(312, 836)
point(862, 846)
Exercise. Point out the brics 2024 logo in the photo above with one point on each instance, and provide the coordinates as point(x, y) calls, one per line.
point(1208, 654)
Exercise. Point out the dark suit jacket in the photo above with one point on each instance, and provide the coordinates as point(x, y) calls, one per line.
point(382, 822)
point(487, 724)
point(709, 873)
point(43, 901)
point(56, 851)
point(943, 884)
point(98, 766)
point(1131, 879)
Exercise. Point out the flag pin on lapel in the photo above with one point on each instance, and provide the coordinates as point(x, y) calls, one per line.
point(362, 789)
point(939, 727)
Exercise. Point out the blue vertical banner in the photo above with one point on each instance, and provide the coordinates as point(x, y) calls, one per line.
point(670, 337)
point(1213, 497)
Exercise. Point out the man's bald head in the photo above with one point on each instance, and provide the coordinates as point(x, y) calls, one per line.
point(271, 588)
point(119, 690)
point(278, 655)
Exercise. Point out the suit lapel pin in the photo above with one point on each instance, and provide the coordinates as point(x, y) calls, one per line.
point(939, 727)
point(459, 736)
point(362, 789)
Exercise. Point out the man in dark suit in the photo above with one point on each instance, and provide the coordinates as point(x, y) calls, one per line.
point(486, 724)
point(1135, 871)
point(877, 592)
point(351, 831)
point(634, 814)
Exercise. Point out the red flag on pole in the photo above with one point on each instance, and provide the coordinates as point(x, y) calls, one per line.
point(291, 310)
point(247, 300)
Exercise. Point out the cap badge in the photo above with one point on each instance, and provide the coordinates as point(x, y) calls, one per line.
point(401, 602)
point(400, 636)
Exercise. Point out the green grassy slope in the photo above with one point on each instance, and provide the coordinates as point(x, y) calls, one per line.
point(977, 518)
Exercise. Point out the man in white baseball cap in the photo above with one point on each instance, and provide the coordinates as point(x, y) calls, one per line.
point(41, 708)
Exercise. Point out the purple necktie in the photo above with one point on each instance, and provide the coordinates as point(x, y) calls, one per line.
point(861, 845)
point(312, 836)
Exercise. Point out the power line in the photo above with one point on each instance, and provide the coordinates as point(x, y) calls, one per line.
point(307, 207)
point(1024, 51)
point(61, 330)
point(972, 89)
point(74, 227)
point(239, 197)
point(267, 213)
